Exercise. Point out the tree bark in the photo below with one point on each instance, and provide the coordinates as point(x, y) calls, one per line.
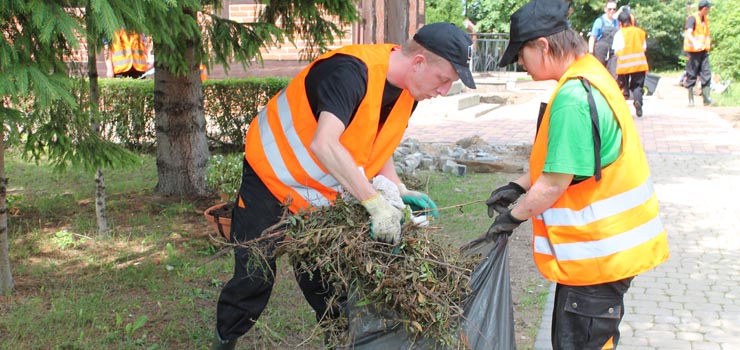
point(182, 147)
point(6, 276)
point(92, 69)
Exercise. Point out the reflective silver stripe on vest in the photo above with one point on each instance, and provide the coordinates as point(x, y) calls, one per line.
point(601, 248)
point(631, 64)
point(622, 64)
point(278, 165)
point(630, 56)
point(600, 209)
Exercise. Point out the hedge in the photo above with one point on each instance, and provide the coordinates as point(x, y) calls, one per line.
point(127, 109)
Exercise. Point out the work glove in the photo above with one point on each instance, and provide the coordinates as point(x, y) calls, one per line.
point(385, 220)
point(504, 223)
point(418, 201)
point(502, 197)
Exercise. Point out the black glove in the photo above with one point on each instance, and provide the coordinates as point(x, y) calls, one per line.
point(503, 224)
point(502, 197)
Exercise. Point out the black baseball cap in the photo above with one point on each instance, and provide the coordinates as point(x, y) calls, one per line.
point(448, 41)
point(705, 3)
point(535, 19)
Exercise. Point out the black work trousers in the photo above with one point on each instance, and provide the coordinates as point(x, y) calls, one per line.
point(697, 67)
point(245, 296)
point(632, 83)
point(588, 317)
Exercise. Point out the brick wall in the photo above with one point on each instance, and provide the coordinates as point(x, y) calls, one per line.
point(245, 12)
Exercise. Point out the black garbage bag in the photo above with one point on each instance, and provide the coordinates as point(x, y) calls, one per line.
point(489, 314)
point(373, 328)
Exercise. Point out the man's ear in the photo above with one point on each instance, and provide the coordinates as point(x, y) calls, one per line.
point(418, 60)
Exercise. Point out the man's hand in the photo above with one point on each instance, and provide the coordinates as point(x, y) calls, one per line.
point(385, 220)
point(502, 197)
point(418, 201)
point(504, 223)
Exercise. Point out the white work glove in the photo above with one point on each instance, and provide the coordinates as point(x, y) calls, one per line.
point(385, 220)
point(388, 190)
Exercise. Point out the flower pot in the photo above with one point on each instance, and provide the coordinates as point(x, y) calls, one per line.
point(219, 216)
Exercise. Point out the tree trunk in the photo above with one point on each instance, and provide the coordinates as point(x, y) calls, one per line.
point(92, 75)
point(6, 276)
point(182, 148)
point(100, 211)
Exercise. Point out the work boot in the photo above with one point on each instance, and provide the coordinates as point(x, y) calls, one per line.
point(705, 94)
point(221, 344)
point(638, 109)
point(691, 96)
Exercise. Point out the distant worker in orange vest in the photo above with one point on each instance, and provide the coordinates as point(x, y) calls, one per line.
point(697, 42)
point(128, 55)
point(332, 129)
point(588, 191)
point(632, 65)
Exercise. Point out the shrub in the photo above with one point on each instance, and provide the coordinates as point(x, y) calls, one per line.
point(223, 174)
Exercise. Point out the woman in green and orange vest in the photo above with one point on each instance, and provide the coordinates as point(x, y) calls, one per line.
point(588, 191)
point(128, 55)
point(632, 65)
point(334, 126)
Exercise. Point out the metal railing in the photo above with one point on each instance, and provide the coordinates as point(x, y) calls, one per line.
point(488, 49)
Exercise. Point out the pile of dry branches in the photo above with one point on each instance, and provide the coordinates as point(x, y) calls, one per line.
point(424, 280)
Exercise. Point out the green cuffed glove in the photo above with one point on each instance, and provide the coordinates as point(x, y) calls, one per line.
point(418, 201)
point(385, 220)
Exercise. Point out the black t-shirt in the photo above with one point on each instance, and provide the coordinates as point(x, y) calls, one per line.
point(338, 85)
point(691, 22)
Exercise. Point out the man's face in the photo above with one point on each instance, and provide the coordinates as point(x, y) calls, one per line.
point(431, 78)
point(610, 8)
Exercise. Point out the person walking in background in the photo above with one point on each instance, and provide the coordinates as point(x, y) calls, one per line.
point(629, 46)
point(602, 35)
point(594, 212)
point(128, 55)
point(334, 126)
point(697, 42)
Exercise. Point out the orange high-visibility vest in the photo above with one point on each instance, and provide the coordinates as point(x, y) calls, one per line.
point(599, 231)
point(631, 58)
point(278, 139)
point(128, 51)
point(700, 33)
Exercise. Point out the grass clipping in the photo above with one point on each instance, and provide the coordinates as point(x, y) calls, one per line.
point(424, 280)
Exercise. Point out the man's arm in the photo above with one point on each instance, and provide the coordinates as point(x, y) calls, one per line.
point(108, 61)
point(335, 158)
point(543, 193)
point(595, 28)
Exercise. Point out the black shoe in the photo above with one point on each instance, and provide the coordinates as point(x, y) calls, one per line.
point(221, 344)
point(638, 109)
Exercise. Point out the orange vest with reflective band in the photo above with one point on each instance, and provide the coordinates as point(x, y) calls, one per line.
point(278, 139)
point(632, 57)
point(700, 33)
point(128, 51)
point(599, 232)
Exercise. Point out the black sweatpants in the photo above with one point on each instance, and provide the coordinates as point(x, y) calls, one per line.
point(632, 82)
point(587, 317)
point(245, 296)
point(697, 67)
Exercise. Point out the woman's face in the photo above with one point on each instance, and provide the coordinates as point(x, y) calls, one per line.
point(531, 56)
